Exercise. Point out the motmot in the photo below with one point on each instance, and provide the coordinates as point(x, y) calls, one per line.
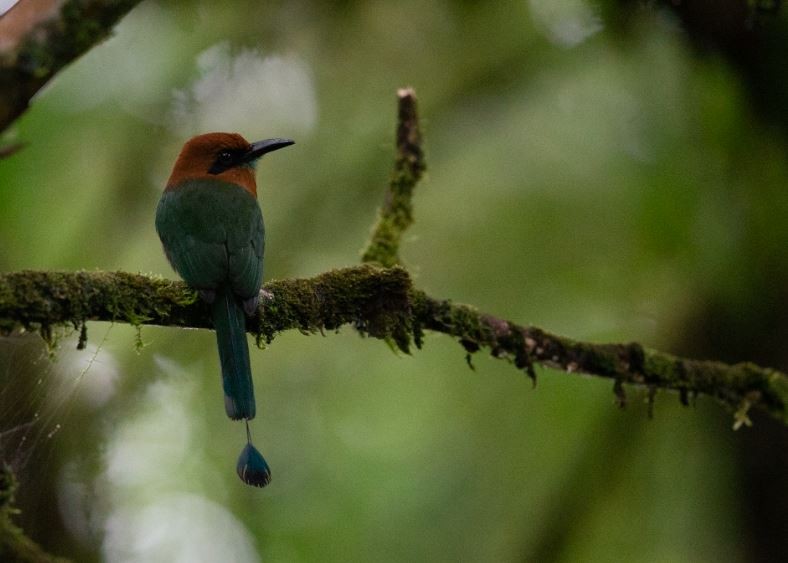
point(211, 227)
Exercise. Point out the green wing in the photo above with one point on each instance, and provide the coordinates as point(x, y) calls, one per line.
point(213, 234)
point(246, 259)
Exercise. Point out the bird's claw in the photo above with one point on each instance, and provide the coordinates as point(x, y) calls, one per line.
point(250, 305)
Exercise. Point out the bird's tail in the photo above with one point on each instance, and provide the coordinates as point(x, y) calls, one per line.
point(252, 467)
point(230, 324)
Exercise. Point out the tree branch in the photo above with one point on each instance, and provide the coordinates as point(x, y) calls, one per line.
point(39, 38)
point(382, 303)
point(374, 300)
point(739, 386)
point(396, 213)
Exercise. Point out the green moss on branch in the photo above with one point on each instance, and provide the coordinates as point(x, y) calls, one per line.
point(738, 386)
point(396, 213)
point(374, 300)
point(379, 302)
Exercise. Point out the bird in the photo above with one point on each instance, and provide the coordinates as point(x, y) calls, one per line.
point(211, 228)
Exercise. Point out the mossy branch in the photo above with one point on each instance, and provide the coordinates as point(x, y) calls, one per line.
point(37, 39)
point(374, 300)
point(738, 386)
point(379, 302)
point(396, 213)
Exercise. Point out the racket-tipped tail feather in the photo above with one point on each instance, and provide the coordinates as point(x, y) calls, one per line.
point(252, 467)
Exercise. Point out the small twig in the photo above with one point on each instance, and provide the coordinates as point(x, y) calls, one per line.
point(396, 213)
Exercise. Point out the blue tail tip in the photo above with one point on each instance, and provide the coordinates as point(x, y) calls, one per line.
point(252, 468)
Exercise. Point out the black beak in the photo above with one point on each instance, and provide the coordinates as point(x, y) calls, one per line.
point(259, 148)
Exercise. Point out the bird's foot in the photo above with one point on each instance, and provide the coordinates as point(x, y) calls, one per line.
point(250, 305)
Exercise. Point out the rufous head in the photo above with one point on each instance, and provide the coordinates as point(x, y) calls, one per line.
point(222, 156)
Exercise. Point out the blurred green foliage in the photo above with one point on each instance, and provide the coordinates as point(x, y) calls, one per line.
point(603, 185)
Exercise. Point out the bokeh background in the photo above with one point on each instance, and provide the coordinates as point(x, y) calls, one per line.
point(611, 171)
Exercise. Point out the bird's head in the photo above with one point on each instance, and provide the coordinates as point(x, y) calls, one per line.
point(222, 156)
